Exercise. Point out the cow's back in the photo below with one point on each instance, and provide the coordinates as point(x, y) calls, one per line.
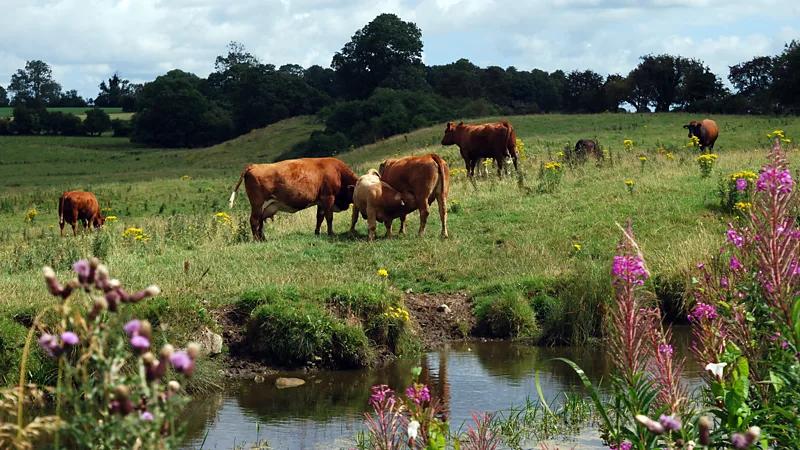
point(300, 182)
point(76, 205)
point(711, 129)
point(418, 174)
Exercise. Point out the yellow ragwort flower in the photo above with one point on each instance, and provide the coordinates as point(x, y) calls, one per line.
point(383, 273)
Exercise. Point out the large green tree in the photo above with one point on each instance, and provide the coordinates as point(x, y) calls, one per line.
point(3, 97)
point(460, 79)
point(97, 121)
point(384, 46)
point(34, 85)
point(117, 93)
point(753, 80)
point(172, 112)
point(583, 92)
point(655, 82)
point(786, 82)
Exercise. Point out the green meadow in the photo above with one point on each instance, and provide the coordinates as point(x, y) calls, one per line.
point(536, 264)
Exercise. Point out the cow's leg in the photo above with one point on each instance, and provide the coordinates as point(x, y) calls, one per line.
point(320, 218)
point(75, 228)
point(372, 222)
point(61, 224)
point(403, 224)
point(355, 219)
point(257, 222)
point(388, 224)
point(424, 210)
point(514, 158)
point(442, 201)
point(326, 208)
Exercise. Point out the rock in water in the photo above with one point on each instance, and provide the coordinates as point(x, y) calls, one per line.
point(282, 382)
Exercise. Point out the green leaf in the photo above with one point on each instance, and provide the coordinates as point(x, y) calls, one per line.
point(589, 388)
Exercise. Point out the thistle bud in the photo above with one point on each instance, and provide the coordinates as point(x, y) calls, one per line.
point(174, 386)
point(145, 329)
point(53, 286)
point(112, 298)
point(100, 303)
point(149, 358)
point(752, 435)
point(48, 272)
point(153, 290)
point(167, 350)
point(690, 445)
point(121, 392)
point(114, 284)
point(193, 349)
point(94, 263)
point(650, 424)
point(704, 426)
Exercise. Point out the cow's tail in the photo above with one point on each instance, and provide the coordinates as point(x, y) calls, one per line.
point(233, 194)
point(444, 174)
point(61, 211)
point(511, 140)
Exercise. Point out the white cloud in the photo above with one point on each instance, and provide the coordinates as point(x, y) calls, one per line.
point(85, 41)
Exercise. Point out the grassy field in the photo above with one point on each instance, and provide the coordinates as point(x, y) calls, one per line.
point(512, 249)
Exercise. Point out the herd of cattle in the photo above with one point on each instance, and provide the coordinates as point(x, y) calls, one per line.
point(399, 187)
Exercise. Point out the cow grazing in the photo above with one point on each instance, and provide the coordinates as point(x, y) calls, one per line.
point(585, 147)
point(376, 201)
point(496, 140)
point(705, 130)
point(293, 185)
point(425, 178)
point(79, 205)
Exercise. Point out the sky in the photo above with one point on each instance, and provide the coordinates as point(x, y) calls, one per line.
point(86, 41)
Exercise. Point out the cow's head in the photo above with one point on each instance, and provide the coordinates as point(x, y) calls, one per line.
point(450, 134)
point(98, 223)
point(391, 199)
point(694, 128)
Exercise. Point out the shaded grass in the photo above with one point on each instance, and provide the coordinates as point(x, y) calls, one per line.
point(511, 248)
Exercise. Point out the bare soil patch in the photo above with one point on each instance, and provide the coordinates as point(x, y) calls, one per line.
point(441, 318)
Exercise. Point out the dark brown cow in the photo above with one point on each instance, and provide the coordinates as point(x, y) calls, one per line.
point(376, 201)
point(705, 130)
point(586, 147)
point(296, 184)
point(79, 205)
point(496, 140)
point(425, 178)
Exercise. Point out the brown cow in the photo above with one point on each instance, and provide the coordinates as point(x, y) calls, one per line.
point(79, 205)
point(425, 178)
point(586, 147)
point(296, 184)
point(706, 131)
point(376, 201)
point(496, 140)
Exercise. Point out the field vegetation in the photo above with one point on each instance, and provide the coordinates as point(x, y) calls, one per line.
point(532, 250)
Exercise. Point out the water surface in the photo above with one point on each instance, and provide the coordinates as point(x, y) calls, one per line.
point(328, 410)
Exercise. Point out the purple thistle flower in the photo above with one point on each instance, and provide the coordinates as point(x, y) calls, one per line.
point(700, 266)
point(665, 348)
point(82, 268)
point(147, 415)
point(50, 345)
point(69, 338)
point(140, 343)
point(741, 184)
point(670, 423)
point(739, 441)
point(132, 327)
point(181, 361)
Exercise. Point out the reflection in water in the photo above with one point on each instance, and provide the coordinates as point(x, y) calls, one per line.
point(329, 409)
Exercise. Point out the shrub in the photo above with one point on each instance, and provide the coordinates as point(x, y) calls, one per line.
point(122, 128)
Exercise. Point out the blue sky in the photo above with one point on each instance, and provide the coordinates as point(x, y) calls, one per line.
point(85, 41)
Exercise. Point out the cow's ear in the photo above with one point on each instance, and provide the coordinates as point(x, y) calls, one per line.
point(351, 188)
point(686, 126)
point(461, 123)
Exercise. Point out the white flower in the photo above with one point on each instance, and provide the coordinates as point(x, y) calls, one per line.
point(690, 445)
point(716, 369)
point(413, 427)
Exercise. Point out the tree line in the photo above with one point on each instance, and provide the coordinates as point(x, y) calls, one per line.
point(377, 86)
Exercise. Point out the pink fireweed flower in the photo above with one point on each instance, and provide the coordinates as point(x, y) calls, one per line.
point(380, 393)
point(665, 348)
point(774, 179)
point(418, 396)
point(741, 184)
point(147, 415)
point(623, 446)
point(734, 237)
point(736, 264)
point(629, 269)
point(703, 311)
point(723, 283)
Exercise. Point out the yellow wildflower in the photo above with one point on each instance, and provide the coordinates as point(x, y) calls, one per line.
point(577, 247)
point(383, 273)
point(643, 158)
point(560, 154)
point(111, 218)
point(629, 182)
point(30, 215)
point(185, 177)
point(628, 144)
point(743, 206)
point(669, 156)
